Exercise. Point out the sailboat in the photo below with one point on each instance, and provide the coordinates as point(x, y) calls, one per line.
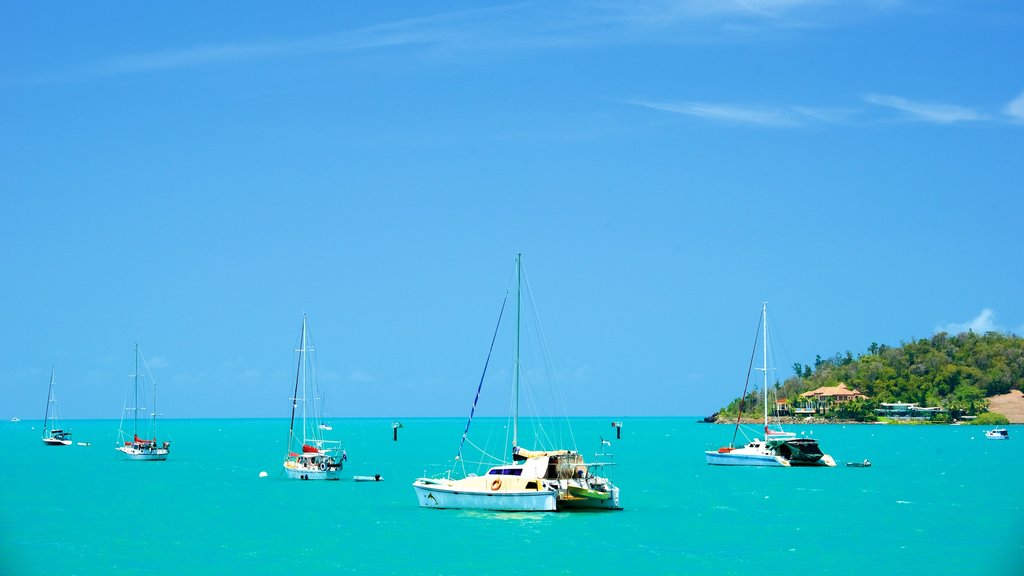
point(135, 447)
point(535, 480)
point(53, 434)
point(310, 456)
point(778, 448)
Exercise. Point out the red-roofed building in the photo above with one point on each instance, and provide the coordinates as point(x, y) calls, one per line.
point(821, 399)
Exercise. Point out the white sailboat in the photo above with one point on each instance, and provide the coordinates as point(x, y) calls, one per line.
point(310, 456)
point(135, 447)
point(534, 480)
point(53, 432)
point(778, 448)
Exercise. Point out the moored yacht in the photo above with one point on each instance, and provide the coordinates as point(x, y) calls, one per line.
point(997, 434)
point(310, 456)
point(535, 480)
point(135, 447)
point(777, 448)
point(53, 432)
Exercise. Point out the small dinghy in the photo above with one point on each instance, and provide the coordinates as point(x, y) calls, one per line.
point(374, 478)
point(865, 464)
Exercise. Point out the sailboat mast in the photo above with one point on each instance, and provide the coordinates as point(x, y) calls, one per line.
point(764, 314)
point(49, 399)
point(298, 372)
point(154, 403)
point(305, 362)
point(135, 412)
point(515, 377)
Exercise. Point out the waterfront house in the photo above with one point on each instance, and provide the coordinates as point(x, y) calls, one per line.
point(821, 399)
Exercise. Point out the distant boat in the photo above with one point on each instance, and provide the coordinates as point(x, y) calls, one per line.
point(535, 480)
point(310, 456)
point(779, 448)
point(865, 464)
point(997, 434)
point(15, 419)
point(53, 432)
point(374, 478)
point(133, 447)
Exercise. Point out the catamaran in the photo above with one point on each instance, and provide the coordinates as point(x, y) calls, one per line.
point(310, 456)
point(778, 448)
point(53, 433)
point(535, 480)
point(135, 447)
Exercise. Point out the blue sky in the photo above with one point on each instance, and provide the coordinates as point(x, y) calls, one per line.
point(195, 177)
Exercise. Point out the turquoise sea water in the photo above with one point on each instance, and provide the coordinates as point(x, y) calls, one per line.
point(938, 500)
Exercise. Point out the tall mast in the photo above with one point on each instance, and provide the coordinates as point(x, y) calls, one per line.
point(49, 398)
point(764, 313)
point(135, 412)
point(305, 361)
point(515, 373)
point(298, 372)
point(154, 402)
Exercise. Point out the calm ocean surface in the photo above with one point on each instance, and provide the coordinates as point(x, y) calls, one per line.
point(938, 500)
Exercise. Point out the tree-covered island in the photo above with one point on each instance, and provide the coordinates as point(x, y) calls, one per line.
point(939, 379)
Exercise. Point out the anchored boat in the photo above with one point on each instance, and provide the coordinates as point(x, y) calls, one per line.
point(997, 434)
point(53, 432)
point(310, 456)
point(135, 447)
point(778, 448)
point(534, 480)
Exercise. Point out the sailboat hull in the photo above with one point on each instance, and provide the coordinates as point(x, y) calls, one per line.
point(56, 442)
point(439, 494)
point(716, 458)
point(737, 458)
point(312, 473)
point(154, 454)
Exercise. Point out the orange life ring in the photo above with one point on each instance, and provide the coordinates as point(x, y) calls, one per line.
point(496, 484)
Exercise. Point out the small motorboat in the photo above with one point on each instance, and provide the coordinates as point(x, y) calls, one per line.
point(997, 434)
point(374, 478)
point(865, 464)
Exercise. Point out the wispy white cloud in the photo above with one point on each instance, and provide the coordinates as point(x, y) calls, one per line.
point(980, 324)
point(768, 116)
point(673, 12)
point(927, 111)
point(498, 29)
point(1015, 109)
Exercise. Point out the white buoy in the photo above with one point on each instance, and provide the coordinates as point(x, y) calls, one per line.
point(263, 474)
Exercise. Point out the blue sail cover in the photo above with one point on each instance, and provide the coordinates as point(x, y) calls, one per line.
point(480, 386)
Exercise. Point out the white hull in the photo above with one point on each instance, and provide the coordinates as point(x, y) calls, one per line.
point(56, 442)
point(997, 434)
point(716, 458)
point(312, 474)
point(137, 454)
point(432, 494)
point(738, 458)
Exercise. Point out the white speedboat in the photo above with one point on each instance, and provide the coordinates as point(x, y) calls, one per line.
point(997, 434)
point(132, 446)
point(53, 432)
point(778, 448)
point(310, 456)
point(535, 480)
